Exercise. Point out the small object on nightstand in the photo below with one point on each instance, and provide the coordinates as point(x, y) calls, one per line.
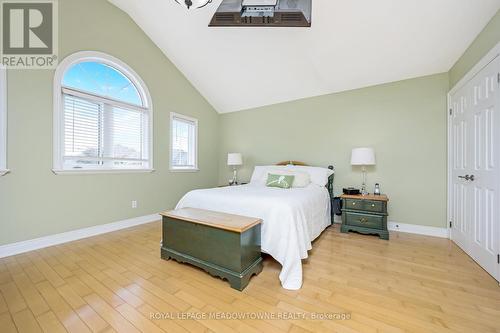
point(376, 191)
point(351, 191)
point(366, 214)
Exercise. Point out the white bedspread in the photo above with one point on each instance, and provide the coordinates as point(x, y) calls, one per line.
point(292, 219)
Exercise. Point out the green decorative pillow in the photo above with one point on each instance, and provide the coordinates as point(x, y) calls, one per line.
point(281, 181)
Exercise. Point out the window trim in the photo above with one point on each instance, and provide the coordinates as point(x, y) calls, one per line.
point(190, 119)
point(58, 122)
point(3, 121)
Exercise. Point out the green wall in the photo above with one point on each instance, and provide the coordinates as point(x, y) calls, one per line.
point(487, 39)
point(33, 201)
point(404, 121)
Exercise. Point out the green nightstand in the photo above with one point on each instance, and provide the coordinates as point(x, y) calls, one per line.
point(365, 214)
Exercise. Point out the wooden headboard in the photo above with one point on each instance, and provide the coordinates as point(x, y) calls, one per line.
point(292, 163)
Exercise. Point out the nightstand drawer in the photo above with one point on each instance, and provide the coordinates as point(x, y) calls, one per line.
point(352, 204)
point(374, 206)
point(365, 205)
point(364, 220)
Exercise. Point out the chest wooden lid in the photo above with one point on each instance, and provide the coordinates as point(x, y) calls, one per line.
point(231, 222)
point(381, 197)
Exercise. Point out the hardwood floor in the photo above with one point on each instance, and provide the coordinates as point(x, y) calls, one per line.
point(117, 283)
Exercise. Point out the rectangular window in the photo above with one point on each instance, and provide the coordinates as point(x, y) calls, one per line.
point(3, 121)
point(183, 143)
point(101, 135)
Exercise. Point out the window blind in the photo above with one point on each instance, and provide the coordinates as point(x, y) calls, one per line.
point(183, 143)
point(82, 129)
point(98, 134)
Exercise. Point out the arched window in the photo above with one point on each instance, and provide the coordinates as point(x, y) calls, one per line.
point(102, 116)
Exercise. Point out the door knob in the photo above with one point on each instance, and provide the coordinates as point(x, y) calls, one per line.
point(467, 177)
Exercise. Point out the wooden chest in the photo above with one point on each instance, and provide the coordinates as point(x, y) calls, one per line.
point(365, 214)
point(224, 245)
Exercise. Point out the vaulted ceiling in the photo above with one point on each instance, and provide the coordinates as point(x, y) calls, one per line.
point(351, 44)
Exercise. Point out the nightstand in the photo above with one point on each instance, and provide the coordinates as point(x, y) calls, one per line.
point(365, 214)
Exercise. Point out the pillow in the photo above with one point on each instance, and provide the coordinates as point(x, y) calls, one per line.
point(259, 175)
point(302, 179)
point(319, 176)
point(281, 181)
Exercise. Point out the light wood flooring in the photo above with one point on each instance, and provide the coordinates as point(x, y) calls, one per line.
point(117, 283)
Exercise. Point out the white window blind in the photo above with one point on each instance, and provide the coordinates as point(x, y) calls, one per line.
point(183, 142)
point(102, 135)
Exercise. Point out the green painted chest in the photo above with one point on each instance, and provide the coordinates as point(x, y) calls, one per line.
point(224, 245)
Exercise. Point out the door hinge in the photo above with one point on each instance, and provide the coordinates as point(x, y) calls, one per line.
point(498, 258)
point(498, 77)
point(451, 224)
point(451, 112)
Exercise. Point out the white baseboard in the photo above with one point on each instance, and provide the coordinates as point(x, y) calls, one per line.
point(418, 229)
point(38, 243)
point(411, 228)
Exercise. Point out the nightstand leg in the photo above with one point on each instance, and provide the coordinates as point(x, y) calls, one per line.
point(384, 235)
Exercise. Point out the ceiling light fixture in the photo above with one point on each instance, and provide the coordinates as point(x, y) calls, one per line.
point(193, 3)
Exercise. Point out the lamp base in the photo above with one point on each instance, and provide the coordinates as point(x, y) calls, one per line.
point(234, 181)
point(363, 187)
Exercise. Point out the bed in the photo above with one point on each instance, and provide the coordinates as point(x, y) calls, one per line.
point(292, 218)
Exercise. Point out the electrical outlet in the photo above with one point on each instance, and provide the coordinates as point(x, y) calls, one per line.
point(134, 204)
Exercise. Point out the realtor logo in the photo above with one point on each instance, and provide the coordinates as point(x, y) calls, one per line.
point(29, 34)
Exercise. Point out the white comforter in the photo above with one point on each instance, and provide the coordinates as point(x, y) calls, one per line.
point(292, 219)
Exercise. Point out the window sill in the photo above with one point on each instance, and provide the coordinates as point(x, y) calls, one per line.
point(184, 170)
point(102, 171)
point(4, 172)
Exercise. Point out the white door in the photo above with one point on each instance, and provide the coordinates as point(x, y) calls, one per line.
point(475, 168)
point(460, 131)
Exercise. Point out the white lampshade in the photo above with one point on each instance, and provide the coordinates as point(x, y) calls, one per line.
point(363, 156)
point(234, 159)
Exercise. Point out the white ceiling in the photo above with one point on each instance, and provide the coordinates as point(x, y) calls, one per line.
point(351, 44)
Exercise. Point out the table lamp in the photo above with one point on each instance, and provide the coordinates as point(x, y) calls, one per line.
point(234, 160)
point(363, 157)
